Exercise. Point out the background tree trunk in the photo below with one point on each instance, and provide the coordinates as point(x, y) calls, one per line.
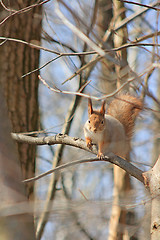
point(113, 77)
point(21, 93)
point(152, 181)
point(107, 76)
point(14, 224)
point(121, 178)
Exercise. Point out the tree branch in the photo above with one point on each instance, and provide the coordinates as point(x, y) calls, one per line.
point(51, 140)
point(79, 93)
point(79, 143)
point(140, 4)
point(26, 9)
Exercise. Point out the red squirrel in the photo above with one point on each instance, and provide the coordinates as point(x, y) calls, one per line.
point(112, 132)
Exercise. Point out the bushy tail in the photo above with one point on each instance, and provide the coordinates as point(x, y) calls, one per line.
point(126, 108)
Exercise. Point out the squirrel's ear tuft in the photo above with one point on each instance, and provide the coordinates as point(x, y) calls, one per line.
point(102, 110)
point(90, 109)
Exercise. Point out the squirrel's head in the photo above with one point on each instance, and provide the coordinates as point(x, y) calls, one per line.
point(96, 119)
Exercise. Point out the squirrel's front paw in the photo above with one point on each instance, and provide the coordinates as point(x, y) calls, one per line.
point(89, 143)
point(100, 155)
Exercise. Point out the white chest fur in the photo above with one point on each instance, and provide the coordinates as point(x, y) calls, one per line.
point(112, 136)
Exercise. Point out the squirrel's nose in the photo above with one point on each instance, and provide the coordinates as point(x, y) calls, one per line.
point(94, 130)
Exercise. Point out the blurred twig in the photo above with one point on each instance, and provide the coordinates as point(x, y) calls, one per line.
point(26, 9)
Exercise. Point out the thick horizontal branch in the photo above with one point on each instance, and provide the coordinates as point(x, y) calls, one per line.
point(51, 140)
point(79, 143)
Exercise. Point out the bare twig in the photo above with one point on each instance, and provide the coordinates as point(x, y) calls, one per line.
point(92, 62)
point(44, 65)
point(122, 163)
point(55, 89)
point(140, 4)
point(30, 45)
point(26, 9)
point(128, 20)
point(48, 38)
point(140, 39)
point(127, 45)
point(7, 9)
point(79, 33)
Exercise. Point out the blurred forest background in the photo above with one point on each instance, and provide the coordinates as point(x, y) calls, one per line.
point(108, 47)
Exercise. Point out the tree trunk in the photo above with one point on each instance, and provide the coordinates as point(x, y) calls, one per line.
point(21, 94)
point(114, 76)
point(107, 74)
point(15, 222)
point(152, 181)
point(122, 184)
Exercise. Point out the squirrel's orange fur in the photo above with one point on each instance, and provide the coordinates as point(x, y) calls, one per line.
point(126, 108)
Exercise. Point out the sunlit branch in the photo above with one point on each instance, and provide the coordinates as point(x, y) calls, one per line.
point(79, 33)
point(79, 143)
point(55, 89)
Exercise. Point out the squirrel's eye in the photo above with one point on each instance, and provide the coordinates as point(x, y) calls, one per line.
point(102, 122)
point(88, 121)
